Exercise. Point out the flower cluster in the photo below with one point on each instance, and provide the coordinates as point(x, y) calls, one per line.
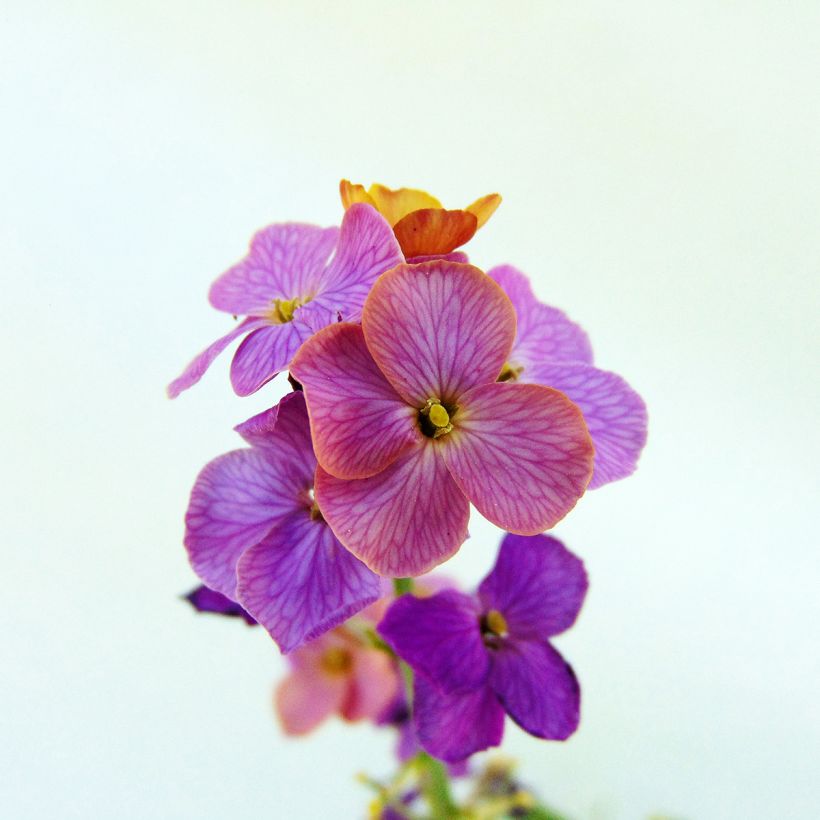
point(422, 386)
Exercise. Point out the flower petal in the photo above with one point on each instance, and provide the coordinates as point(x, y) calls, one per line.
point(203, 599)
point(521, 453)
point(393, 205)
point(299, 581)
point(453, 726)
point(537, 584)
point(360, 424)
point(284, 262)
point(544, 333)
point(440, 638)
point(196, 369)
point(235, 501)
point(366, 249)
point(438, 329)
point(305, 698)
point(402, 521)
point(482, 209)
point(374, 683)
point(352, 193)
point(433, 231)
point(266, 352)
point(455, 256)
point(538, 688)
point(615, 414)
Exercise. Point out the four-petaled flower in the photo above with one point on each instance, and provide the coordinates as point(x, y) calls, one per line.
point(422, 226)
point(551, 349)
point(287, 289)
point(410, 424)
point(253, 532)
point(475, 658)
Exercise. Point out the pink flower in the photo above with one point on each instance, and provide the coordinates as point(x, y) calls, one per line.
point(337, 673)
point(410, 425)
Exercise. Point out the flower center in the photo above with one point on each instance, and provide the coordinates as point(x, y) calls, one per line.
point(336, 661)
point(283, 309)
point(434, 419)
point(493, 628)
point(315, 512)
point(509, 373)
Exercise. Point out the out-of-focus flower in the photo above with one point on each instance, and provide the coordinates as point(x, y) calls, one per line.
point(476, 657)
point(254, 533)
point(410, 424)
point(337, 673)
point(420, 222)
point(551, 349)
point(287, 290)
point(203, 599)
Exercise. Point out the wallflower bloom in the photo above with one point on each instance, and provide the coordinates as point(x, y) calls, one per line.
point(287, 290)
point(421, 224)
point(410, 425)
point(203, 599)
point(476, 658)
point(336, 673)
point(551, 349)
point(254, 533)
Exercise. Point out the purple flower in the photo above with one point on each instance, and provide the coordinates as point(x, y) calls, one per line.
point(254, 533)
point(287, 290)
point(476, 658)
point(552, 350)
point(203, 599)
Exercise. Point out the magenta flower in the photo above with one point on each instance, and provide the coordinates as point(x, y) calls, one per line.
point(410, 425)
point(287, 290)
point(551, 349)
point(254, 533)
point(203, 599)
point(475, 658)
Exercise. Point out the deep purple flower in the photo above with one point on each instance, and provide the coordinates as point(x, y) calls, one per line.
point(254, 533)
point(203, 599)
point(476, 658)
point(287, 290)
point(552, 350)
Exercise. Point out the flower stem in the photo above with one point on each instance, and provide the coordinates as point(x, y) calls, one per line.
point(402, 586)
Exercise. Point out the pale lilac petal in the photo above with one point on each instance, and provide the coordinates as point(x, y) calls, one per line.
point(299, 581)
point(235, 501)
point(374, 683)
point(264, 354)
point(305, 698)
point(403, 521)
point(615, 414)
point(521, 453)
point(438, 329)
point(537, 584)
point(544, 333)
point(367, 248)
point(453, 726)
point(538, 688)
point(285, 261)
point(196, 369)
point(360, 424)
point(439, 637)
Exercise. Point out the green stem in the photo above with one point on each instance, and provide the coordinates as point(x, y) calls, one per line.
point(437, 788)
point(402, 586)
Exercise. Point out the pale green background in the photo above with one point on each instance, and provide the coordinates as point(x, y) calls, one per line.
point(659, 163)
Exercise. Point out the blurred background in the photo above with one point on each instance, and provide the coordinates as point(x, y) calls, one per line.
point(659, 164)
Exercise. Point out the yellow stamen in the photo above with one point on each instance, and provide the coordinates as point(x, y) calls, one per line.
point(439, 416)
point(496, 623)
point(336, 661)
point(283, 309)
point(509, 373)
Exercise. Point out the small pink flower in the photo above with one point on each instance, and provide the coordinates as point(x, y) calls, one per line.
point(410, 425)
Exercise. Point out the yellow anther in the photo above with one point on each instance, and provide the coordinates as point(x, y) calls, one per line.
point(439, 416)
point(283, 309)
point(509, 373)
point(336, 661)
point(496, 623)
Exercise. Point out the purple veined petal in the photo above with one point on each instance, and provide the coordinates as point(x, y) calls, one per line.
point(544, 333)
point(265, 353)
point(453, 726)
point(367, 248)
point(402, 521)
point(235, 501)
point(440, 638)
point(455, 256)
point(537, 584)
point(360, 424)
point(203, 599)
point(615, 414)
point(306, 697)
point(299, 581)
point(521, 453)
point(538, 688)
point(438, 329)
point(196, 369)
point(285, 261)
